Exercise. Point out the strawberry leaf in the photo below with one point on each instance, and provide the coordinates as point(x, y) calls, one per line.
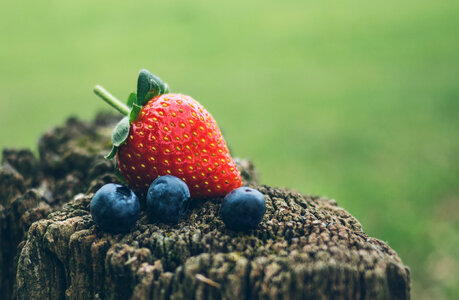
point(121, 132)
point(112, 153)
point(131, 100)
point(134, 112)
point(119, 136)
point(149, 86)
point(160, 84)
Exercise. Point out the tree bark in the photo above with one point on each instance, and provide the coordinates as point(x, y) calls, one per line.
point(305, 247)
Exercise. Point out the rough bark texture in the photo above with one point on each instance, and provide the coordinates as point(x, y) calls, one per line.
point(305, 247)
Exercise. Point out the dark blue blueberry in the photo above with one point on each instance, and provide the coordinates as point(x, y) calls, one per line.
point(115, 208)
point(243, 208)
point(167, 199)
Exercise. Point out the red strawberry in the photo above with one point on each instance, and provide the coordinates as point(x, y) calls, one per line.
point(172, 135)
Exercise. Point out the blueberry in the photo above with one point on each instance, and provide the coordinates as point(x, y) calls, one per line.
point(167, 199)
point(115, 208)
point(243, 208)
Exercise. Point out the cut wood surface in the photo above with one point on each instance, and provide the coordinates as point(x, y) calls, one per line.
point(306, 247)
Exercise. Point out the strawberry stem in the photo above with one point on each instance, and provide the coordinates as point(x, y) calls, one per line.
point(110, 99)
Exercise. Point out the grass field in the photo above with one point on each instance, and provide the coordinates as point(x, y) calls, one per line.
point(356, 100)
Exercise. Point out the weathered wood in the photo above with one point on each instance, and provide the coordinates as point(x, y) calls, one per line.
point(305, 248)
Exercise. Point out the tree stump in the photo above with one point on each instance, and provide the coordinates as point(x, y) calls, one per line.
point(306, 247)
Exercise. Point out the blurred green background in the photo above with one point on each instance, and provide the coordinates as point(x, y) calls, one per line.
point(355, 100)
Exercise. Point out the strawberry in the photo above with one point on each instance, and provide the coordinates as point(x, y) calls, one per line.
point(170, 134)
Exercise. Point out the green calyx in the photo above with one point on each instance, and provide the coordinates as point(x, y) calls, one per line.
point(148, 86)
